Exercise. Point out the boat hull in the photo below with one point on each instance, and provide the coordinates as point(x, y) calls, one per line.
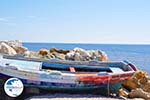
point(103, 89)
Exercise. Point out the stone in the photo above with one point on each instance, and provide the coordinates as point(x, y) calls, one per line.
point(59, 51)
point(20, 50)
point(43, 52)
point(31, 54)
point(146, 87)
point(13, 43)
point(6, 49)
point(59, 55)
point(136, 99)
point(92, 54)
point(123, 92)
point(104, 57)
point(16, 45)
point(139, 93)
point(77, 57)
point(27, 53)
point(137, 81)
point(98, 53)
point(82, 52)
point(51, 55)
point(70, 55)
point(53, 50)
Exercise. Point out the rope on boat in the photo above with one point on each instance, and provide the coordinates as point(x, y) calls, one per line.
point(108, 86)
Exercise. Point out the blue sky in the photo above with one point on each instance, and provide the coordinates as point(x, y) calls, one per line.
point(76, 21)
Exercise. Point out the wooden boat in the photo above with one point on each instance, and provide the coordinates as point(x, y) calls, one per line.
point(104, 77)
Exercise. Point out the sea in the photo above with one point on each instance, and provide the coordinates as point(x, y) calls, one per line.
point(139, 55)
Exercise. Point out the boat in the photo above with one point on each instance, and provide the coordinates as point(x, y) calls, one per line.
point(52, 74)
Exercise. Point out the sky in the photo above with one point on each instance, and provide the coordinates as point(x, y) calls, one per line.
point(76, 21)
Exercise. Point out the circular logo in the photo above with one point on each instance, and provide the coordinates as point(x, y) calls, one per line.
point(13, 87)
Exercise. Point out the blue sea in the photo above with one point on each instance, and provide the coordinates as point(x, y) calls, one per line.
point(139, 55)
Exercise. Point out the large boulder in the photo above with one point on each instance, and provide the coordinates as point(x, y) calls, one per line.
point(82, 52)
point(137, 81)
point(6, 49)
point(20, 50)
point(31, 54)
point(139, 93)
point(43, 52)
point(14, 43)
point(79, 54)
point(139, 85)
point(104, 57)
point(78, 57)
point(59, 51)
point(146, 87)
point(27, 53)
point(123, 93)
point(59, 55)
point(70, 55)
point(98, 55)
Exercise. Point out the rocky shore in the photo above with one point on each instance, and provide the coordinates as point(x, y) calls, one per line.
point(136, 87)
point(77, 54)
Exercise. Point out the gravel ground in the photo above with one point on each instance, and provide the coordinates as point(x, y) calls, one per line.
point(71, 97)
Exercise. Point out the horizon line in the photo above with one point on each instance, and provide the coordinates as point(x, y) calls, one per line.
point(87, 43)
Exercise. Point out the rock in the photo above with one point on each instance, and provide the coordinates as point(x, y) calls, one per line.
point(79, 54)
point(53, 50)
point(16, 45)
point(34, 54)
point(27, 53)
point(140, 75)
point(139, 85)
point(13, 43)
point(137, 81)
point(31, 54)
point(82, 52)
point(139, 93)
point(43, 52)
point(104, 57)
point(59, 55)
point(20, 50)
point(70, 55)
point(131, 84)
point(92, 54)
point(51, 55)
point(123, 92)
point(136, 99)
point(98, 53)
point(59, 51)
point(146, 87)
point(77, 57)
point(6, 49)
